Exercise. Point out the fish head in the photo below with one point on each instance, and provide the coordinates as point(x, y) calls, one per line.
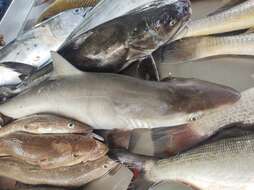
point(191, 95)
point(47, 123)
point(157, 24)
point(202, 105)
point(171, 18)
point(76, 126)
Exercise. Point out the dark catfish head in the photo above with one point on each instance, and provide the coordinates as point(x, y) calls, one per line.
point(158, 23)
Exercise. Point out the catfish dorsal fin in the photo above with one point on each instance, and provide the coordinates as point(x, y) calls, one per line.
point(62, 67)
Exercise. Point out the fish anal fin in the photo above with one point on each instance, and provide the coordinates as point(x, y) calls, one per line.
point(62, 67)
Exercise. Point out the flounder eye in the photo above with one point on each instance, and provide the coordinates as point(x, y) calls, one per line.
point(71, 125)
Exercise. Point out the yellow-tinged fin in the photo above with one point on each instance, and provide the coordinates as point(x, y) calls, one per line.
point(61, 5)
point(62, 67)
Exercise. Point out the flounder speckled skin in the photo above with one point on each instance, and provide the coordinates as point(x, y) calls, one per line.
point(52, 151)
point(45, 124)
point(76, 175)
point(114, 45)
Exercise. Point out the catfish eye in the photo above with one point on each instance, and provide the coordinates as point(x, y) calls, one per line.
point(71, 125)
point(172, 22)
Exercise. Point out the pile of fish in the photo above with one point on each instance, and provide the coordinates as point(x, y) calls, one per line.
point(71, 118)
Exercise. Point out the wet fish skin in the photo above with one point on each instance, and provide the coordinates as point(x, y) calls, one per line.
point(61, 5)
point(224, 164)
point(175, 139)
point(71, 176)
point(237, 18)
point(45, 124)
point(33, 47)
point(114, 101)
point(61, 150)
point(195, 48)
point(113, 46)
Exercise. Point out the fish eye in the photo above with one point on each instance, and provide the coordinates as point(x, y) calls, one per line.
point(172, 22)
point(195, 116)
point(71, 125)
point(76, 155)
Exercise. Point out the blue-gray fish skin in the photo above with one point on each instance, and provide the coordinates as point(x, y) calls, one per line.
point(114, 45)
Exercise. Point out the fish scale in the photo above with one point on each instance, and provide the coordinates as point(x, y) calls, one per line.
point(223, 164)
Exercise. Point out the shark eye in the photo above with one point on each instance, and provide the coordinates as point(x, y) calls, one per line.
point(195, 116)
point(71, 125)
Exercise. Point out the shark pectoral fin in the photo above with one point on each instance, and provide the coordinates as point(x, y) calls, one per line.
point(62, 67)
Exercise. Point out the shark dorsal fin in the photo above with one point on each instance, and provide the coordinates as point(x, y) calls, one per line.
point(62, 67)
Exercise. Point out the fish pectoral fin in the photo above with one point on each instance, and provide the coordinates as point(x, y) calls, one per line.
point(61, 67)
point(227, 4)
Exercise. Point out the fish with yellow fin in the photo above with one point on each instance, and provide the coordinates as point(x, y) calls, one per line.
point(61, 5)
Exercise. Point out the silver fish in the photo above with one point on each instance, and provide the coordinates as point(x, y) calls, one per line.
point(238, 17)
point(225, 164)
point(196, 48)
point(33, 47)
point(109, 101)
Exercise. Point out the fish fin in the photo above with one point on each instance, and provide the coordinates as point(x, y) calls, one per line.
point(62, 67)
point(228, 4)
point(249, 31)
point(165, 141)
point(19, 67)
